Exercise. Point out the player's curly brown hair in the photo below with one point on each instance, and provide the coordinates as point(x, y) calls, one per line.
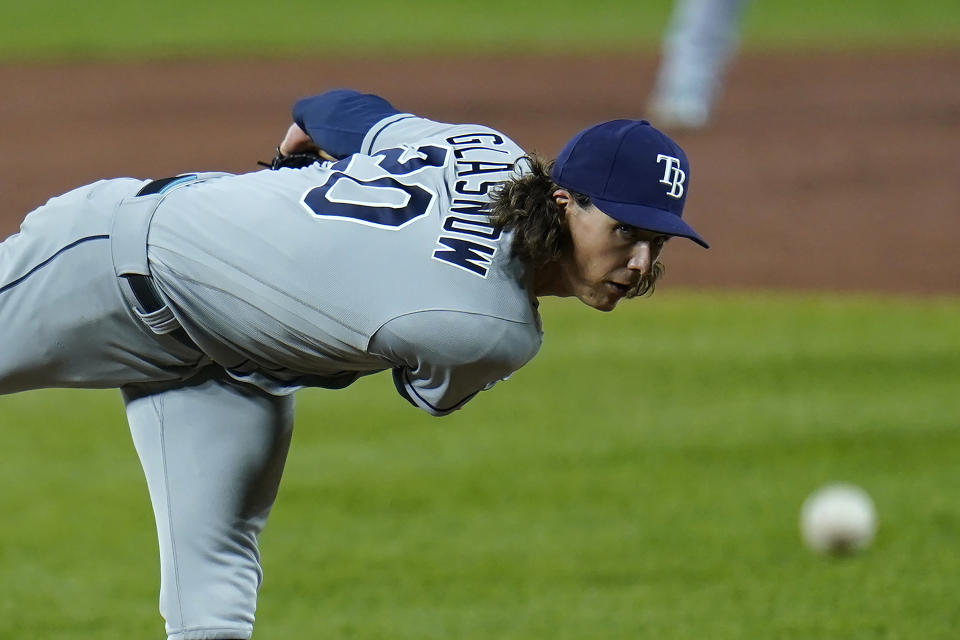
point(525, 206)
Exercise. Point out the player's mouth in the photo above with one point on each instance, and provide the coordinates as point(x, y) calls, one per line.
point(621, 289)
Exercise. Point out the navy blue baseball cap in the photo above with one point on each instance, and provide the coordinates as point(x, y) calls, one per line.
point(632, 172)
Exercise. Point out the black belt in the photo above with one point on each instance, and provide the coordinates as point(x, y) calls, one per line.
point(143, 288)
point(156, 186)
point(149, 301)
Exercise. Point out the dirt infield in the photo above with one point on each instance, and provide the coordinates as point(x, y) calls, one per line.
point(819, 172)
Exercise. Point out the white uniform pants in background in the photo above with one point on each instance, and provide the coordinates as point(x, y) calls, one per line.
point(698, 45)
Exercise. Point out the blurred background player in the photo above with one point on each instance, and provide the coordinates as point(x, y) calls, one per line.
point(699, 42)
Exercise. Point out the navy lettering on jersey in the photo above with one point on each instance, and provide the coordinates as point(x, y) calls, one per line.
point(475, 207)
point(479, 228)
point(481, 190)
point(424, 156)
point(465, 254)
point(475, 138)
point(459, 153)
point(468, 240)
point(476, 168)
point(476, 155)
point(382, 202)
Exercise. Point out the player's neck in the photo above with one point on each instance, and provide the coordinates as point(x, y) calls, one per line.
point(550, 280)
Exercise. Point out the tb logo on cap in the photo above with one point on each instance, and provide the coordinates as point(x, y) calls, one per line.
point(673, 175)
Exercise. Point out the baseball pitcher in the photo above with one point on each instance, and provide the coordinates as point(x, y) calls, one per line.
point(376, 241)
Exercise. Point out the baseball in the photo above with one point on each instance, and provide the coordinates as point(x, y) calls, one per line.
point(838, 519)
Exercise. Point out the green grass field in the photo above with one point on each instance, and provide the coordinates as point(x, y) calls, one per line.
point(641, 478)
point(125, 29)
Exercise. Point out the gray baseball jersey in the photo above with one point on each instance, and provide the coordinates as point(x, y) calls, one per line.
point(382, 260)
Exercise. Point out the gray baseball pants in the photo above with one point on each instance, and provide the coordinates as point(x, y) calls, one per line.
point(212, 449)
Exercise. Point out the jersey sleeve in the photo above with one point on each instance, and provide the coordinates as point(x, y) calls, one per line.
point(406, 128)
point(444, 358)
point(338, 120)
point(343, 122)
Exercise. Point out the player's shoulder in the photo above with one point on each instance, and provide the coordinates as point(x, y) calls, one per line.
point(410, 128)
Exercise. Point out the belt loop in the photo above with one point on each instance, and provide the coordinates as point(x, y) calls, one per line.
point(128, 234)
point(131, 224)
point(128, 246)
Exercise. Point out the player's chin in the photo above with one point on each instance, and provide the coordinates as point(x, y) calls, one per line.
point(607, 308)
point(603, 300)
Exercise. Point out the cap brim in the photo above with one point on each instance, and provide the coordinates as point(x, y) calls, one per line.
point(649, 218)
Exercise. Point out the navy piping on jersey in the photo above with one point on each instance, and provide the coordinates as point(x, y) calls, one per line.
point(11, 285)
point(410, 387)
point(373, 140)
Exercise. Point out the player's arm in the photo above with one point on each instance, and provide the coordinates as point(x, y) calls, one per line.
point(444, 358)
point(342, 122)
point(335, 121)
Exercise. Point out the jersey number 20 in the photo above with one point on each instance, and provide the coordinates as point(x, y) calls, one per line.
point(382, 202)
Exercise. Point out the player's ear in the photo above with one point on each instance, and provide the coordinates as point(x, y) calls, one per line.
point(562, 197)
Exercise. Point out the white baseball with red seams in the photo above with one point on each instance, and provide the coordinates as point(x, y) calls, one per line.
point(838, 519)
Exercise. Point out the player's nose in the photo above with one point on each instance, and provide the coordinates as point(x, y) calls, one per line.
point(641, 258)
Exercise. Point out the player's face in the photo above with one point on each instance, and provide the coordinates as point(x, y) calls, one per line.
point(607, 258)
